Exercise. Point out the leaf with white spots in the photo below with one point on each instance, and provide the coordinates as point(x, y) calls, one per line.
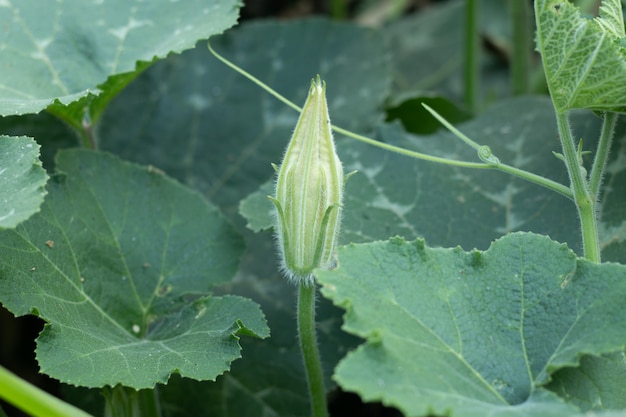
point(22, 180)
point(448, 206)
point(64, 50)
point(392, 194)
point(120, 263)
point(472, 334)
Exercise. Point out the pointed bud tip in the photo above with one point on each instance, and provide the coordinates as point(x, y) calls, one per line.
point(318, 86)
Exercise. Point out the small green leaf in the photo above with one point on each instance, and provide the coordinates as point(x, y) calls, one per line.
point(257, 209)
point(22, 180)
point(474, 333)
point(63, 50)
point(120, 262)
point(584, 59)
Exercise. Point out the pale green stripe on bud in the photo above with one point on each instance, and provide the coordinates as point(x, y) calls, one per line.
point(309, 190)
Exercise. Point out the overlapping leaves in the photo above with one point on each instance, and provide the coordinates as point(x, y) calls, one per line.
point(120, 263)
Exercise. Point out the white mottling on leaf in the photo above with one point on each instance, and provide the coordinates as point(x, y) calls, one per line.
point(371, 171)
point(123, 31)
point(382, 202)
point(338, 102)
point(6, 216)
point(277, 64)
point(43, 43)
point(198, 102)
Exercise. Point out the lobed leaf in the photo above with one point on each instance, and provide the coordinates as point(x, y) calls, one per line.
point(120, 262)
point(472, 333)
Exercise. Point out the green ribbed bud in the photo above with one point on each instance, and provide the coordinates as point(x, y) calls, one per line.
point(309, 190)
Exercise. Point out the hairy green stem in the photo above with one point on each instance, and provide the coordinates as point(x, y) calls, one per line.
point(33, 400)
point(310, 351)
point(471, 58)
point(602, 154)
point(520, 56)
point(534, 178)
point(585, 202)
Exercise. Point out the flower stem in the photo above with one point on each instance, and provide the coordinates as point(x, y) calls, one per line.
point(310, 351)
point(585, 202)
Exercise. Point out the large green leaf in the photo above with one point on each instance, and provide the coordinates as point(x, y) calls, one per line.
point(472, 333)
point(22, 178)
point(584, 59)
point(120, 262)
point(63, 50)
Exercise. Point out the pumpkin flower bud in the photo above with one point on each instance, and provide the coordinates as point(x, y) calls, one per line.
point(309, 190)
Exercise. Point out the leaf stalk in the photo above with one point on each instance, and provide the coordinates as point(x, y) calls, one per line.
point(584, 200)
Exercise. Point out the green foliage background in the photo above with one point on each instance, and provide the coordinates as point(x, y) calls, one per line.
point(204, 137)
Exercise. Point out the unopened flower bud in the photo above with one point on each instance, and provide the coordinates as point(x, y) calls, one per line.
point(309, 190)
